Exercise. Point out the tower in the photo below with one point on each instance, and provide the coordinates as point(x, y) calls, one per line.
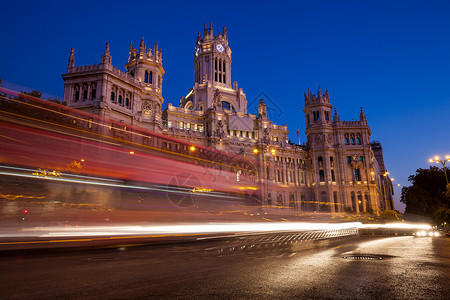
point(319, 130)
point(212, 58)
point(145, 65)
point(212, 76)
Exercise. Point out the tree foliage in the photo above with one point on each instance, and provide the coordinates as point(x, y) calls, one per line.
point(427, 195)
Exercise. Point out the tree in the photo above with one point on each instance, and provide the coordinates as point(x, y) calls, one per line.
point(33, 93)
point(427, 195)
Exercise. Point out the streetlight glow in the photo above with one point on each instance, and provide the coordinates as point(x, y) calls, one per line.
point(438, 160)
point(192, 148)
point(255, 151)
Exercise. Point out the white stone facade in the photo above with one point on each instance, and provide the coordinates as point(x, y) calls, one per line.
point(339, 169)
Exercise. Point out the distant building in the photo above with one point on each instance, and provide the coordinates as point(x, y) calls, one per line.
point(339, 169)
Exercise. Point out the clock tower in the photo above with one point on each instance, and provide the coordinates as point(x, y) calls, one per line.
point(212, 58)
point(213, 88)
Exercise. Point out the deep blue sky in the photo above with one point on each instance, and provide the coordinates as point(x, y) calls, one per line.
point(391, 57)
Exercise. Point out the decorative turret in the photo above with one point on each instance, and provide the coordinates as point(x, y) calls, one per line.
point(362, 117)
point(262, 109)
point(71, 60)
point(310, 98)
point(106, 57)
point(142, 46)
point(317, 109)
point(336, 117)
point(145, 65)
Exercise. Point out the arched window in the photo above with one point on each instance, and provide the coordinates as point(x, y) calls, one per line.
point(127, 102)
point(352, 141)
point(346, 141)
point(226, 105)
point(113, 96)
point(120, 99)
point(358, 141)
point(150, 77)
point(146, 76)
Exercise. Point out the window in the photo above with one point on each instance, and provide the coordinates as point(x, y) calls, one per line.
point(346, 141)
point(77, 95)
point(361, 159)
point(85, 94)
point(127, 102)
point(349, 159)
point(120, 99)
point(225, 105)
point(181, 125)
point(94, 93)
point(352, 141)
point(327, 116)
point(333, 178)
point(322, 175)
point(358, 141)
point(316, 116)
point(357, 175)
point(150, 77)
point(113, 96)
point(146, 76)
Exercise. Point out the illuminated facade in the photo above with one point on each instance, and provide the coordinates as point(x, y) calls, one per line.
point(339, 169)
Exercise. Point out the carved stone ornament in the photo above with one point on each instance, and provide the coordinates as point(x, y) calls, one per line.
point(329, 139)
point(146, 108)
point(220, 133)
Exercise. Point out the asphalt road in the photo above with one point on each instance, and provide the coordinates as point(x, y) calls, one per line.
point(395, 268)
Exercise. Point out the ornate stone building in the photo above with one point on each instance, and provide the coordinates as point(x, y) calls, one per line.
point(339, 169)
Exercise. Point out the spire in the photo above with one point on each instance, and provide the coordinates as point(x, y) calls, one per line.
point(362, 116)
point(156, 46)
point(130, 54)
point(142, 46)
point(71, 59)
point(319, 93)
point(336, 117)
point(224, 32)
point(211, 29)
point(327, 95)
point(262, 111)
point(106, 57)
point(205, 31)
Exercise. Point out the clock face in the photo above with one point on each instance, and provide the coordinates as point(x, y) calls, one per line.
point(197, 51)
point(220, 48)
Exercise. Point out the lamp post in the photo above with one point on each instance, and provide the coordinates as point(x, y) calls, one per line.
point(438, 160)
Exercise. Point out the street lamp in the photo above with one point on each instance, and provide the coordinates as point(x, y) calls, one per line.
point(438, 160)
